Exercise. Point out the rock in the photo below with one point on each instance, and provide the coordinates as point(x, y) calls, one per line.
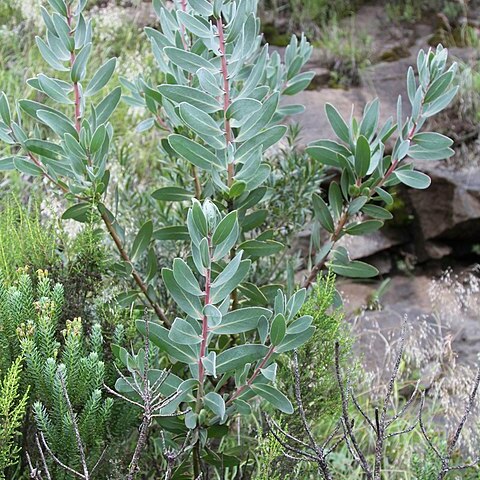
point(430, 305)
point(437, 250)
point(321, 78)
point(363, 246)
point(450, 208)
point(314, 121)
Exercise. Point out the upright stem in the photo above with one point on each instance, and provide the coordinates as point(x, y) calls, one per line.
point(138, 280)
point(226, 96)
point(255, 374)
point(110, 228)
point(321, 263)
point(203, 345)
point(76, 89)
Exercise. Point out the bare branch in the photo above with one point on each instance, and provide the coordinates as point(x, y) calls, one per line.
point(42, 457)
point(468, 409)
point(58, 461)
point(73, 419)
point(347, 423)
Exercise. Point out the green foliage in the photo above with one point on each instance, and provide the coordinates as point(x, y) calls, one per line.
point(12, 410)
point(25, 239)
point(269, 451)
point(356, 205)
point(345, 51)
point(321, 395)
point(216, 100)
point(79, 359)
point(310, 14)
point(17, 307)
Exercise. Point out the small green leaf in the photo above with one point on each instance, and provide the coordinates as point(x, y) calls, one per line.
point(190, 304)
point(298, 83)
point(261, 248)
point(375, 211)
point(5, 109)
point(242, 108)
point(45, 149)
point(210, 364)
point(364, 227)
point(420, 153)
point(108, 105)
point(7, 163)
point(356, 204)
point(101, 77)
point(185, 278)
point(175, 232)
point(384, 195)
point(260, 119)
point(194, 96)
point(53, 90)
point(265, 139)
point(188, 61)
point(335, 199)
point(362, 156)
point(224, 228)
point(24, 165)
point(324, 155)
point(182, 333)
point(97, 139)
point(432, 140)
point(194, 25)
point(278, 329)
point(322, 213)
point(241, 320)
point(413, 178)
point(295, 340)
point(49, 56)
point(79, 68)
point(220, 291)
point(172, 194)
point(59, 6)
point(142, 240)
point(215, 403)
point(295, 303)
point(57, 123)
point(273, 396)
point(299, 325)
point(337, 122)
point(229, 271)
point(237, 357)
point(199, 121)
point(193, 152)
point(80, 212)
point(237, 188)
point(159, 337)
point(355, 269)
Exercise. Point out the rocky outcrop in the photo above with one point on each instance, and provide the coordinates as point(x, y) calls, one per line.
point(450, 208)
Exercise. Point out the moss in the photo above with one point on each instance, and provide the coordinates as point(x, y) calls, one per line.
point(399, 209)
point(274, 37)
point(395, 53)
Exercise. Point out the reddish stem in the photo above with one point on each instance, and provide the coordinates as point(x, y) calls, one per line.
point(226, 95)
point(76, 89)
point(203, 345)
point(255, 374)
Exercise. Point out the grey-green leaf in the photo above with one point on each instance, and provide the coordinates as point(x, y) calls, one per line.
point(183, 333)
point(337, 122)
point(241, 320)
point(237, 357)
point(142, 240)
point(413, 178)
point(273, 396)
point(101, 77)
